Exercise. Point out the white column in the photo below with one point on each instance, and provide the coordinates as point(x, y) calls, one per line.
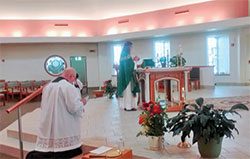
point(147, 94)
point(186, 82)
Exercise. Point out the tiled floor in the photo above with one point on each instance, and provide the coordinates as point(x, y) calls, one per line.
point(104, 123)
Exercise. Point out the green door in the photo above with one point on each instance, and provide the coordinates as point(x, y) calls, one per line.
point(79, 64)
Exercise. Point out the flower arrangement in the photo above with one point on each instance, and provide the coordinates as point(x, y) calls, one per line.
point(175, 61)
point(109, 89)
point(152, 120)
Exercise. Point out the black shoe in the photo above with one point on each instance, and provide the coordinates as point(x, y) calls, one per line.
point(133, 109)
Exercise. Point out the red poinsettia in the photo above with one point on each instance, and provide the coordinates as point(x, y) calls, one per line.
point(146, 105)
point(109, 89)
point(142, 118)
point(152, 119)
point(156, 109)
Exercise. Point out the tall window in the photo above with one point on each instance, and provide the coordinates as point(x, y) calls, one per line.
point(117, 49)
point(162, 49)
point(218, 54)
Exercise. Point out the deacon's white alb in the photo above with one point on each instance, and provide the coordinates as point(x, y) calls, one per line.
point(60, 125)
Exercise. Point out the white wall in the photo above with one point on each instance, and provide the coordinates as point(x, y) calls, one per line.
point(26, 61)
point(194, 48)
point(1, 63)
point(105, 62)
point(248, 51)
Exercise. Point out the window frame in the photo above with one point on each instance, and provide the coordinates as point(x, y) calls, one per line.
point(217, 53)
point(114, 73)
point(164, 48)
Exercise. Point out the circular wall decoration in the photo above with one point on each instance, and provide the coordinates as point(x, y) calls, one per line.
point(55, 65)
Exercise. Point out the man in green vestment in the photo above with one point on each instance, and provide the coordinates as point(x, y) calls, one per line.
point(128, 84)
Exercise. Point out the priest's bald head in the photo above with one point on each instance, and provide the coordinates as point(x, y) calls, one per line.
point(69, 74)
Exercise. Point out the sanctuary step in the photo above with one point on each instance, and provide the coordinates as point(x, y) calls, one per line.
point(13, 152)
point(10, 151)
point(4, 156)
point(25, 136)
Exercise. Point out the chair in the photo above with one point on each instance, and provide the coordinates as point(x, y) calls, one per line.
point(44, 82)
point(26, 88)
point(2, 97)
point(194, 78)
point(3, 90)
point(13, 88)
point(37, 84)
point(3, 87)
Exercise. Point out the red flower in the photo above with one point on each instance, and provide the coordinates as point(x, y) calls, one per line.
point(141, 120)
point(156, 109)
point(146, 106)
point(150, 103)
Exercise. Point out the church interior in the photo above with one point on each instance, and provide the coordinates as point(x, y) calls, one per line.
point(199, 48)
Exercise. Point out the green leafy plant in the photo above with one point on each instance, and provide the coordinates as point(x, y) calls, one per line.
point(152, 120)
point(204, 121)
point(175, 61)
point(109, 89)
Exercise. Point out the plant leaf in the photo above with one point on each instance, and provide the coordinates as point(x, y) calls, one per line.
point(194, 105)
point(239, 106)
point(203, 119)
point(199, 101)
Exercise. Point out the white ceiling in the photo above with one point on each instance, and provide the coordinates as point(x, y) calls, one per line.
point(83, 9)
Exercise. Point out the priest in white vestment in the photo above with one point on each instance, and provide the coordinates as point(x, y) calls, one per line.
point(60, 125)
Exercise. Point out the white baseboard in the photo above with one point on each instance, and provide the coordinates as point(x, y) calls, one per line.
point(232, 84)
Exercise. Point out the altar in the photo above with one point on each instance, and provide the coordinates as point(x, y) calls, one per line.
point(149, 79)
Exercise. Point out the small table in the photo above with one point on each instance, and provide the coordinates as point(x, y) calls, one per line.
point(126, 154)
point(98, 93)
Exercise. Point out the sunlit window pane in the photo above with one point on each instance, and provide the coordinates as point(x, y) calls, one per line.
point(117, 53)
point(162, 49)
point(218, 54)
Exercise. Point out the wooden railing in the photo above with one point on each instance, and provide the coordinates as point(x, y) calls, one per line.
point(25, 100)
point(19, 114)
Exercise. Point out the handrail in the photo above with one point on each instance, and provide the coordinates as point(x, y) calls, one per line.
point(25, 100)
point(19, 114)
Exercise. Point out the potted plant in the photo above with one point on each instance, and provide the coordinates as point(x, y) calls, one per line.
point(152, 121)
point(175, 61)
point(209, 126)
point(109, 88)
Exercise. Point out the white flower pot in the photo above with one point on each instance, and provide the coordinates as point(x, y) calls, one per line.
point(155, 142)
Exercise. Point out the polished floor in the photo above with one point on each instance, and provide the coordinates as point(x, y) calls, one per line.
point(104, 123)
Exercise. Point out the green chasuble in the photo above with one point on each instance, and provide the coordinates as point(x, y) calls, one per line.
point(127, 74)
